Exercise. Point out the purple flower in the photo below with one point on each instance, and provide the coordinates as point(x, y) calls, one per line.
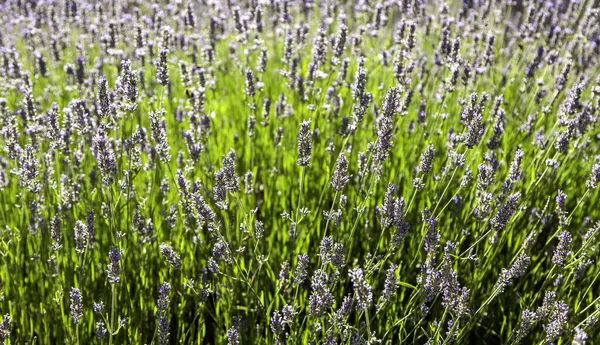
point(362, 290)
point(100, 330)
point(162, 306)
point(114, 268)
point(304, 144)
point(500, 221)
point(301, 269)
point(5, 328)
point(105, 156)
point(427, 160)
point(81, 237)
point(158, 128)
point(558, 322)
point(76, 305)
point(340, 175)
point(563, 249)
point(233, 336)
point(170, 255)
point(321, 299)
point(516, 270)
point(162, 69)
point(390, 285)
point(103, 109)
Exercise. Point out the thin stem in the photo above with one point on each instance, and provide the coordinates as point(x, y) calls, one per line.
point(298, 207)
point(329, 214)
point(112, 314)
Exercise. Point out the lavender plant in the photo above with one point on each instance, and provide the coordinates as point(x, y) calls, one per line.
point(299, 172)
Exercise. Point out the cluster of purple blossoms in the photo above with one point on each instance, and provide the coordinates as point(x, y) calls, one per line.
point(76, 305)
point(362, 290)
point(114, 267)
point(501, 219)
point(5, 328)
point(170, 255)
point(81, 237)
point(301, 272)
point(304, 144)
point(516, 270)
point(321, 298)
point(340, 175)
point(158, 128)
point(392, 213)
point(563, 249)
point(332, 252)
point(162, 306)
point(105, 156)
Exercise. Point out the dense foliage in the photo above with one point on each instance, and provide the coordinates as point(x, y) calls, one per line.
point(293, 172)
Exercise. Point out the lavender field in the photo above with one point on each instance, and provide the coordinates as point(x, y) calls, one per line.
point(299, 172)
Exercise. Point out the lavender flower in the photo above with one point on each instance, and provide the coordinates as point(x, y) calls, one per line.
point(301, 269)
point(544, 310)
point(486, 175)
point(98, 307)
point(337, 256)
point(516, 270)
point(159, 135)
point(277, 326)
point(321, 299)
point(280, 319)
point(432, 238)
point(81, 237)
point(500, 221)
point(259, 229)
point(284, 273)
point(105, 156)
point(340, 42)
point(331, 252)
point(390, 285)
point(528, 319)
point(340, 175)
point(304, 144)
point(580, 337)
point(114, 268)
point(162, 68)
point(594, 179)
point(557, 322)
point(250, 84)
point(100, 330)
point(28, 169)
point(103, 99)
point(561, 198)
point(392, 211)
point(220, 253)
point(563, 249)
point(5, 328)
point(55, 228)
point(344, 310)
point(515, 172)
point(263, 60)
point(170, 255)
point(162, 305)
point(359, 95)
point(76, 305)
point(427, 160)
point(53, 132)
point(385, 125)
point(362, 290)
point(233, 336)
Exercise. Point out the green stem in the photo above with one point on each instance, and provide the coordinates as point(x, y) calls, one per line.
point(112, 314)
